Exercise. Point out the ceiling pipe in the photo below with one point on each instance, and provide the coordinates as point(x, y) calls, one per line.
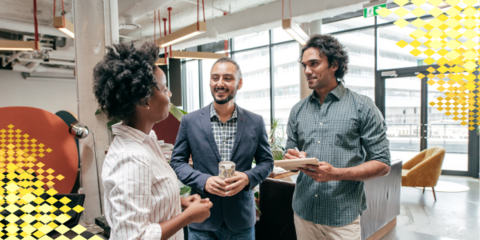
point(17, 67)
point(18, 26)
point(259, 19)
point(50, 62)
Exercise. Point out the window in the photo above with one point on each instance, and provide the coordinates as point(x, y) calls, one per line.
point(251, 40)
point(286, 81)
point(361, 73)
point(207, 93)
point(193, 90)
point(255, 93)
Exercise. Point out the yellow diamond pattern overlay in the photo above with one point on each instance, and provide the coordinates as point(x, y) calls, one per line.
point(27, 210)
point(451, 38)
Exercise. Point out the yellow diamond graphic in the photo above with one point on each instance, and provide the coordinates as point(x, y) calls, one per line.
point(470, 66)
point(452, 23)
point(62, 218)
point(401, 23)
point(419, 23)
point(401, 12)
point(470, 23)
point(417, 34)
point(470, 44)
point(435, 2)
point(415, 52)
point(401, 2)
point(78, 208)
point(453, 44)
point(384, 12)
point(470, 55)
point(418, 12)
point(453, 55)
point(79, 229)
point(470, 11)
point(402, 43)
point(65, 200)
point(435, 22)
point(418, 2)
point(453, 33)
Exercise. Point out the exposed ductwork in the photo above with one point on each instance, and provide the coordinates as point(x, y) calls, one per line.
point(258, 19)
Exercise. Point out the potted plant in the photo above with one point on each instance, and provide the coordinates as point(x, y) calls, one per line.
point(276, 138)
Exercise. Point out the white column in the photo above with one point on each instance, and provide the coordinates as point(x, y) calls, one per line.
point(94, 29)
point(315, 27)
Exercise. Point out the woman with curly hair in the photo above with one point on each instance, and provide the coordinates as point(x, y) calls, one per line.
point(141, 191)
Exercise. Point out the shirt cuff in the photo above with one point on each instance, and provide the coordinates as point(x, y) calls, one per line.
point(153, 232)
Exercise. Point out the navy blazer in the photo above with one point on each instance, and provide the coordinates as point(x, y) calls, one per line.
point(195, 137)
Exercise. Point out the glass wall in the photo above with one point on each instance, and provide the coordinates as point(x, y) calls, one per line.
point(402, 96)
point(255, 93)
point(193, 89)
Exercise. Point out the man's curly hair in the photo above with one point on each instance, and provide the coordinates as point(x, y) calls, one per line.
point(125, 79)
point(334, 51)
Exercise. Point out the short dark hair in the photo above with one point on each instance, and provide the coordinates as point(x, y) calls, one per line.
point(334, 51)
point(125, 79)
point(238, 72)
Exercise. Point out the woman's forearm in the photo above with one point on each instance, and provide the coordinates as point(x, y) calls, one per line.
point(172, 226)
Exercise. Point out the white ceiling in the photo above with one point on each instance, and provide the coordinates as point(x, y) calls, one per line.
point(184, 12)
point(22, 10)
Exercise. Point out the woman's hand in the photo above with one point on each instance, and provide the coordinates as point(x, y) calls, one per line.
point(186, 201)
point(199, 210)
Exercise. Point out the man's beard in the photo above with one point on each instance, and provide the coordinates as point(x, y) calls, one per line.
point(226, 100)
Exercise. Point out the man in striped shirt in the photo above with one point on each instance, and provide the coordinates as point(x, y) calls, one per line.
point(346, 133)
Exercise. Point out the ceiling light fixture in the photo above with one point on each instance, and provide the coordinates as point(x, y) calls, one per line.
point(184, 33)
point(12, 45)
point(197, 55)
point(61, 23)
point(292, 28)
point(15, 45)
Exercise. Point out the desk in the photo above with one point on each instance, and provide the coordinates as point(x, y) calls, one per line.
point(383, 206)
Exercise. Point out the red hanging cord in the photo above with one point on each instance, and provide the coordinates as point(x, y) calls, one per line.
point(154, 25)
point(63, 14)
point(54, 3)
point(198, 15)
point(203, 4)
point(36, 23)
point(226, 41)
point(290, 3)
point(159, 23)
point(165, 31)
point(170, 26)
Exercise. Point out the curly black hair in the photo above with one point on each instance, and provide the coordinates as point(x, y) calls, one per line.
point(335, 52)
point(125, 79)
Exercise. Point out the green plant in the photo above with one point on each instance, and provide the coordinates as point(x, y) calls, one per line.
point(175, 111)
point(276, 138)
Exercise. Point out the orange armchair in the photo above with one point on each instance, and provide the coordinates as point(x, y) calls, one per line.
point(424, 169)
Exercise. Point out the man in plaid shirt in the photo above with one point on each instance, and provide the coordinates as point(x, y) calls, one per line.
point(346, 132)
point(223, 131)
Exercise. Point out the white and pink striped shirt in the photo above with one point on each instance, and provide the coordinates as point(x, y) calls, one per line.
point(140, 188)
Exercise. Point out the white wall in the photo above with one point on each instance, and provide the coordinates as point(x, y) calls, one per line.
point(47, 95)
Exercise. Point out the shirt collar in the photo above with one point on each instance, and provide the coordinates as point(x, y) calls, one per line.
point(339, 91)
point(132, 133)
point(213, 113)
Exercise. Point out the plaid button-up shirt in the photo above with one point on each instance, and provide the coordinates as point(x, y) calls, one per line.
point(345, 131)
point(224, 133)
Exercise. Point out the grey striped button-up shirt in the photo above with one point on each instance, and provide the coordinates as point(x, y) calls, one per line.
point(345, 131)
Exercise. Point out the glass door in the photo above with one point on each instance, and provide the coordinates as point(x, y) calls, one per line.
point(414, 125)
point(402, 115)
point(443, 131)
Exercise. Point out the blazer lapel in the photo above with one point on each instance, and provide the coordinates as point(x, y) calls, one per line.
point(241, 120)
point(207, 129)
